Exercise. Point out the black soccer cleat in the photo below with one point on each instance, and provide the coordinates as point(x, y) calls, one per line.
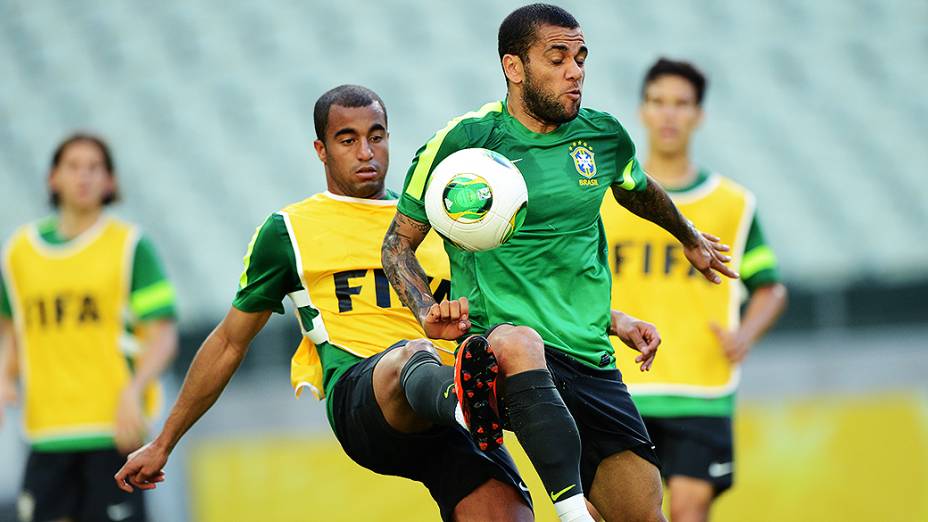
point(475, 375)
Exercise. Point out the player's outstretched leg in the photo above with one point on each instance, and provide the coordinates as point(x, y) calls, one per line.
point(495, 498)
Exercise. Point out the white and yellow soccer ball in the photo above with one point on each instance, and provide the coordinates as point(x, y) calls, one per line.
point(476, 199)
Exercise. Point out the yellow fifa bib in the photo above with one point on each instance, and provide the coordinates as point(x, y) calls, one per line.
point(652, 280)
point(348, 301)
point(70, 306)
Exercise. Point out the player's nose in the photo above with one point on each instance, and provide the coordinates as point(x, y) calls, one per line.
point(365, 151)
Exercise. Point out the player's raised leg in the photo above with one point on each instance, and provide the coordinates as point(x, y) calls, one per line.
point(492, 500)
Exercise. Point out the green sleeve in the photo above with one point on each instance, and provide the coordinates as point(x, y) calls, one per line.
point(270, 271)
point(631, 176)
point(759, 265)
point(5, 309)
point(439, 147)
point(151, 293)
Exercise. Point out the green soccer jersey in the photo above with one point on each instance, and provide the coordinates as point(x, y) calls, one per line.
point(553, 274)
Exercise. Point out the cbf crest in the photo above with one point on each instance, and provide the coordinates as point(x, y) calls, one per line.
point(584, 161)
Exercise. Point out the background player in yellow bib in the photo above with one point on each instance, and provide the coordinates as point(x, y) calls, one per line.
point(687, 398)
point(324, 254)
point(87, 325)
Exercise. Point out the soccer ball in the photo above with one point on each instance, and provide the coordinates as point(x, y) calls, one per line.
point(476, 199)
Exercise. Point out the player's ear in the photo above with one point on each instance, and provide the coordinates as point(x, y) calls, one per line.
point(320, 150)
point(513, 68)
point(699, 116)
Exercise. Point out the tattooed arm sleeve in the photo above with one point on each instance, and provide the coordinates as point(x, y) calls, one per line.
point(655, 205)
point(406, 275)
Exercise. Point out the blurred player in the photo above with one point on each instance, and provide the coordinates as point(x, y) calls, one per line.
point(87, 325)
point(324, 254)
point(687, 399)
point(542, 299)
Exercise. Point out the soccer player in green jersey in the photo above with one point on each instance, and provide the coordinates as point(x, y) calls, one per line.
point(541, 301)
point(688, 401)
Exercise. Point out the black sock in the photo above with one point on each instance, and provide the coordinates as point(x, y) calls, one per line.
point(546, 430)
point(429, 388)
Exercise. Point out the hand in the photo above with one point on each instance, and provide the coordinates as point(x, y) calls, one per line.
point(735, 345)
point(8, 396)
point(130, 423)
point(143, 469)
point(447, 320)
point(706, 255)
point(637, 335)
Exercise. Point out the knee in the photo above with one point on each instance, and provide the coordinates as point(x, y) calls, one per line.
point(689, 509)
point(517, 348)
point(394, 362)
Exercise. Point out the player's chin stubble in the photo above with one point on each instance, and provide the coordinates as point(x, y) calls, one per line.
point(544, 105)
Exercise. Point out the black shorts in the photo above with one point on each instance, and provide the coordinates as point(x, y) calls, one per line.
point(77, 485)
point(443, 458)
point(606, 417)
point(698, 447)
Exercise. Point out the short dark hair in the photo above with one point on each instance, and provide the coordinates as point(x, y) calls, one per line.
point(345, 96)
point(517, 32)
point(84, 137)
point(686, 70)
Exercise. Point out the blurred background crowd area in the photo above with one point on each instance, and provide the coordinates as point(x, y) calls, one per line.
point(815, 106)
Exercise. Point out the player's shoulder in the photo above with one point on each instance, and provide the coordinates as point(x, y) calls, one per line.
point(323, 203)
point(24, 230)
point(729, 184)
point(123, 226)
point(19, 234)
point(602, 123)
point(304, 205)
point(600, 119)
point(476, 122)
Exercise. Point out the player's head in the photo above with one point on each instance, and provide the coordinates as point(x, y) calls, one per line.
point(352, 140)
point(82, 176)
point(542, 51)
point(671, 104)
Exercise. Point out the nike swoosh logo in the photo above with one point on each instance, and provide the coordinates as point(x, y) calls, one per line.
point(523, 487)
point(555, 496)
point(516, 160)
point(717, 469)
point(118, 512)
point(448, 391)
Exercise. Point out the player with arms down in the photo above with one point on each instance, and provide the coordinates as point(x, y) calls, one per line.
point(323, 253)
point(87, 324)
point(541, 301)
point(688, 400)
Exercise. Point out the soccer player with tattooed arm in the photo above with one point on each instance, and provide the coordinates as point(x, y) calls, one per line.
point(534, 314)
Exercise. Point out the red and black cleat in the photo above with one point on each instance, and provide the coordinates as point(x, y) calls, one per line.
point(475, 374)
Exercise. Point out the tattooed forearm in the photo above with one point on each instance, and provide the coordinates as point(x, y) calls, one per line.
point(406, 275)
point(656, 206)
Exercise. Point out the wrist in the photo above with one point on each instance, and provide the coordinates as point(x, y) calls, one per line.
point(691, 236)
point(617, 318)
point(162, 444)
